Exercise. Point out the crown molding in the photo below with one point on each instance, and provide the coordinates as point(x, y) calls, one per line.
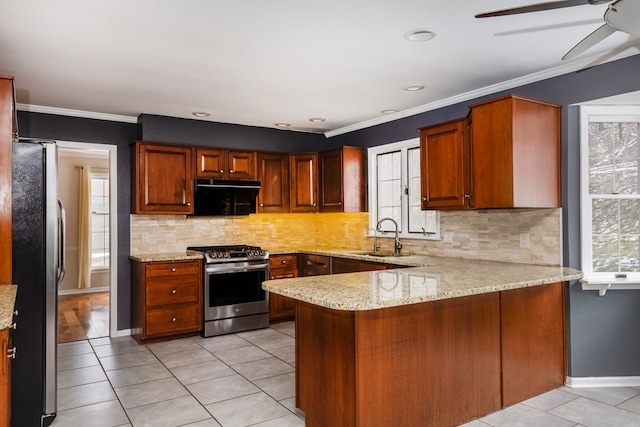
point(487, 90)
point(76, 113)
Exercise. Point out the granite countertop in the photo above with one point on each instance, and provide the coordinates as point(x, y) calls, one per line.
point(7, 304)
point(428, 278)
point(175, 256)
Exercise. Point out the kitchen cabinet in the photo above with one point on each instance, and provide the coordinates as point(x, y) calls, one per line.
point(218, 163)
point(303, 182)
point(444, 160)
point(166, 299)
point(163, 179)
point(515, 153)
point(508, 156)
point(5, 378)
point(316, 265)
point(342, 180)
point(7, 132)
point(347, 265)
point(282, 266)
point(273, 174)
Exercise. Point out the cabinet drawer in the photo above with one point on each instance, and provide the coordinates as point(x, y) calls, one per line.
point(170, 320)
point(160, 269)
point(280, 261)
point(174, 291)
point(283, 273)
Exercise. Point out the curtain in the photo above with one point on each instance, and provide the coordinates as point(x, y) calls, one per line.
point(84, 228)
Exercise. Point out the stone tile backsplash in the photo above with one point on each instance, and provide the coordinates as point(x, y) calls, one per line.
point(490, 235)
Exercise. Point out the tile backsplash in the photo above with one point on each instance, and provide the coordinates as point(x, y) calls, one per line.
point(490, 235)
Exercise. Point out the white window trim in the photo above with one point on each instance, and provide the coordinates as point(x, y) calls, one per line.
point(372, 154)
point(599, 281)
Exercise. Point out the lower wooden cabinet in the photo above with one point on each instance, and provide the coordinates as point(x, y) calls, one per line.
point(283, 266)
point(166, 299)
point(5, 378)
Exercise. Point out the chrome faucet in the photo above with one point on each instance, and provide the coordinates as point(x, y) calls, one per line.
point(397, 245)
point(376, 245)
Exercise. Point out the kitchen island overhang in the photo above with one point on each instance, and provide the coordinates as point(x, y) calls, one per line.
point(440, 344)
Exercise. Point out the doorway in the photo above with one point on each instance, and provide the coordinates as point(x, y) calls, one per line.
point(87, 186)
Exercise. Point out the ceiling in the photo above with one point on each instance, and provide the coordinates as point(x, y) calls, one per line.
point(262, 62)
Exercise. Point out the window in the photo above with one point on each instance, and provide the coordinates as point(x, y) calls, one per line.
point(99, 220)
point(610, 190)
point(394, 174)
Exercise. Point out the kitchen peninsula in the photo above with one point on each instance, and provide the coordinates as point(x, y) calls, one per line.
point(437, 344)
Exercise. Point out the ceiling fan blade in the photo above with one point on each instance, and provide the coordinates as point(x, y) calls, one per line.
point(591, 40)
point(556, 4)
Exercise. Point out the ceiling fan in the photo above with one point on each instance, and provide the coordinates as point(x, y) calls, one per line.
point(621, 15)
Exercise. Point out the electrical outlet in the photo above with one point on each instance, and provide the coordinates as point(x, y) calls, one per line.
point(145, 237)
point(448, 237)
point(524, 240)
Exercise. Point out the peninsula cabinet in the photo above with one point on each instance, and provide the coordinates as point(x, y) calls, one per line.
point(505, 155)
point(303, 182)
point(166, 299)
point(273, 174)
point(217, 163)
point(5, 377)
point(444, 159)
point(163, 179)
point(342, 180)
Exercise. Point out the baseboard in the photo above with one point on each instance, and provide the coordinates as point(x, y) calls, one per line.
point(122, 333)
point(83, 291)
point(581, 382)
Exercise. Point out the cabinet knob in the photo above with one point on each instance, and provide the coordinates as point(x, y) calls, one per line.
point(188, 203)
point(15, 313)
point(261, 204)
point(174, 291)
point(231, 171)
point(424, 199)
point(339, 203)
point(221, 171)
point(173, 269)
point(13, 326)
point(284, 261)
point(11, 353)
point(173, 319)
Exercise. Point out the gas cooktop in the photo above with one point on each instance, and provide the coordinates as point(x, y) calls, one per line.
point(227, 253)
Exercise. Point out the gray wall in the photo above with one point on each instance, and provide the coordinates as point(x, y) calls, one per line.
point(603, 333)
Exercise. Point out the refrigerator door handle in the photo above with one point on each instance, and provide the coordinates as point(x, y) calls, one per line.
point(62, 262)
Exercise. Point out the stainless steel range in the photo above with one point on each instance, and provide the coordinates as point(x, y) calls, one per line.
point(234, 300)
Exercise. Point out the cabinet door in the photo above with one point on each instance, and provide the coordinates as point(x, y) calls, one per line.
point(211, 163)
point(242, 165)
point(273, 173)
point(5, 380)
point(444, 174)
point(6, 129)
point(330, 181)
point(304, 182)
point(164, 179)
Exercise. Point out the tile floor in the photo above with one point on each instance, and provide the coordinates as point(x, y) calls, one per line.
point(247, 379)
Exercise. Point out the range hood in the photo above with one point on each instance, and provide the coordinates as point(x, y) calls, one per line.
point(216, 197)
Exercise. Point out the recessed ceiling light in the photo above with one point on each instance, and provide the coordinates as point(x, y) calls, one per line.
point(317, 119)
point(201, 114)
point(388, 111)
point(421, 35)
point(282, 125)
point(413, 88)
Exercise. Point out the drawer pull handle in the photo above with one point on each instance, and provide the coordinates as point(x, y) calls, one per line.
point(173, 319)
point(174, 291)
point(11, 353)
point(173, 269)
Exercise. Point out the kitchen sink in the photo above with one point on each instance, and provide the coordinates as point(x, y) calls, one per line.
point(381, 254)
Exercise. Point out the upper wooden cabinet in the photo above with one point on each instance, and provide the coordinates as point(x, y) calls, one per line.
point(7, 115)
point(163, 179)
point(303, 182)
point(342, 180)
point(273, 174)
point(444, 152)
point(225, 164)
point(515, 153)
point(508, 156)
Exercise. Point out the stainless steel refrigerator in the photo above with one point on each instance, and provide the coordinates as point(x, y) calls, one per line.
point(38, 268)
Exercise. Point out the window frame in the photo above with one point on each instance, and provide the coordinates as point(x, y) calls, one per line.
point(102, 175)
point(601, 281)
point(372, 153)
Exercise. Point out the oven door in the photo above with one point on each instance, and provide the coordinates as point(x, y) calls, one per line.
point(234, 289)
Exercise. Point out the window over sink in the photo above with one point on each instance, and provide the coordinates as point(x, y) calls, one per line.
point(394, 192)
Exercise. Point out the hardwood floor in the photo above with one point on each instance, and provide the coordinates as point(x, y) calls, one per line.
point(83, 316)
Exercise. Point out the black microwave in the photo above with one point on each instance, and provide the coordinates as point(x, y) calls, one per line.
point(215, 197)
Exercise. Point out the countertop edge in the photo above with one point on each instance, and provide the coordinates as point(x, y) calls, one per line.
point(7, 304)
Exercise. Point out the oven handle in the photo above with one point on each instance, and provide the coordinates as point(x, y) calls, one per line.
point(222, 269)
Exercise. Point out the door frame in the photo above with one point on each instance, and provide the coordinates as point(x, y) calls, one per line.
point(112, 149)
